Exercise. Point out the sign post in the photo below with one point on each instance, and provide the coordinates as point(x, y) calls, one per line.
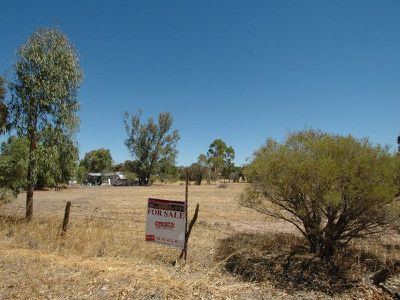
point(186, 211)
point(166, 222)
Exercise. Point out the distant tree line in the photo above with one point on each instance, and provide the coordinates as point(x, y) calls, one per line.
point(217, 164)
point(154, 148)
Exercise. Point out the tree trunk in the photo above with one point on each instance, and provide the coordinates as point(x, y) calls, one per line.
point(328, 249)
point(313, 241)
point(199, 179)
point(328, 246)
point(324, 247)
point(29, 202)
point(30, 176)
point(144, 178)
point(328, 241)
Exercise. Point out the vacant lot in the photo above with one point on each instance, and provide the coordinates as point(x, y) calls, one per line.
point(104, 255)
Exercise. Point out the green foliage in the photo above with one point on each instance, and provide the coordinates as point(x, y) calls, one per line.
point(200, 170)
point(182, 173)
point(13, 166)
point(131, 177)
point(167, 172)
point(220, 158)
point(58, 161)
point(80, 174)
point(118, 167)
point(151, 144)
point(96, 161)
point(3, 107)
point(235, 174)
point(44, 95)
point(332, 188)
point(196, 173)
point(131, 166)
point(45, 89)
point(57, 164)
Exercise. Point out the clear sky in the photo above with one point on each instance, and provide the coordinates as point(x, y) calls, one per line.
point(237, 70)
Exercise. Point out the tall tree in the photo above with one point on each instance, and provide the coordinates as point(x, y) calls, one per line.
point(3, 107)
point(44, 94)
point(98, 160)
point(152, 144)
point(221, 157)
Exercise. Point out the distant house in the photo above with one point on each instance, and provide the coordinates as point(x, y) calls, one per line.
point(115, 179)
point(118, 179)
point(93, 178)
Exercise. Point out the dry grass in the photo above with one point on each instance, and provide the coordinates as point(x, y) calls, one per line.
point(104, 255)
point(284, 260)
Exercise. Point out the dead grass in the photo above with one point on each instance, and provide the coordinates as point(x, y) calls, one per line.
point(104, 255)
point(283, 260)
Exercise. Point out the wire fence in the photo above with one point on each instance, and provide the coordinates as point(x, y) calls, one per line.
point(135, 217)
point(91, 214)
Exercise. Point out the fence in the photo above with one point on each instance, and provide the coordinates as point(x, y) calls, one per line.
point(130, 217)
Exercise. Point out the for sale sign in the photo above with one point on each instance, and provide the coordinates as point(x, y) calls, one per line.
point(166, 222)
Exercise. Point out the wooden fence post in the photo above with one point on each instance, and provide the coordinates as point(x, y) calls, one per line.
point(66, 218)
point(189, 230)
point(186, 212)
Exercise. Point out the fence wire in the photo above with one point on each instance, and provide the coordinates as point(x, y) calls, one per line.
point(91, 214)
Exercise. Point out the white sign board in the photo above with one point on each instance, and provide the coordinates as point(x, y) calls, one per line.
point(166, 222)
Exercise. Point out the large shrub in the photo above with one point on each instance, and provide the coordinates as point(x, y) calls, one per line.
point(332, 188)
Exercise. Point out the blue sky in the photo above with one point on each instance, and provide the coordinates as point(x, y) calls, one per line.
point(237, 70)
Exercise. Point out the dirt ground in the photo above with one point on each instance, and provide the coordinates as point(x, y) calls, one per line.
point(104, 255)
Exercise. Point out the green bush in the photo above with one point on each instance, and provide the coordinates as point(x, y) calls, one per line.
point(331, 188)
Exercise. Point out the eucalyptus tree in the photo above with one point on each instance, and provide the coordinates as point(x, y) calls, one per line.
point(3, 107)
point(59, 157)
point(44, 94)
point(99, 160)
point(152, 144)
point(220, 157)
point(57, 164)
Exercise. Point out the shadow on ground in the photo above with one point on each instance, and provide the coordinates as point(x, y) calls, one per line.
point(283, 260)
